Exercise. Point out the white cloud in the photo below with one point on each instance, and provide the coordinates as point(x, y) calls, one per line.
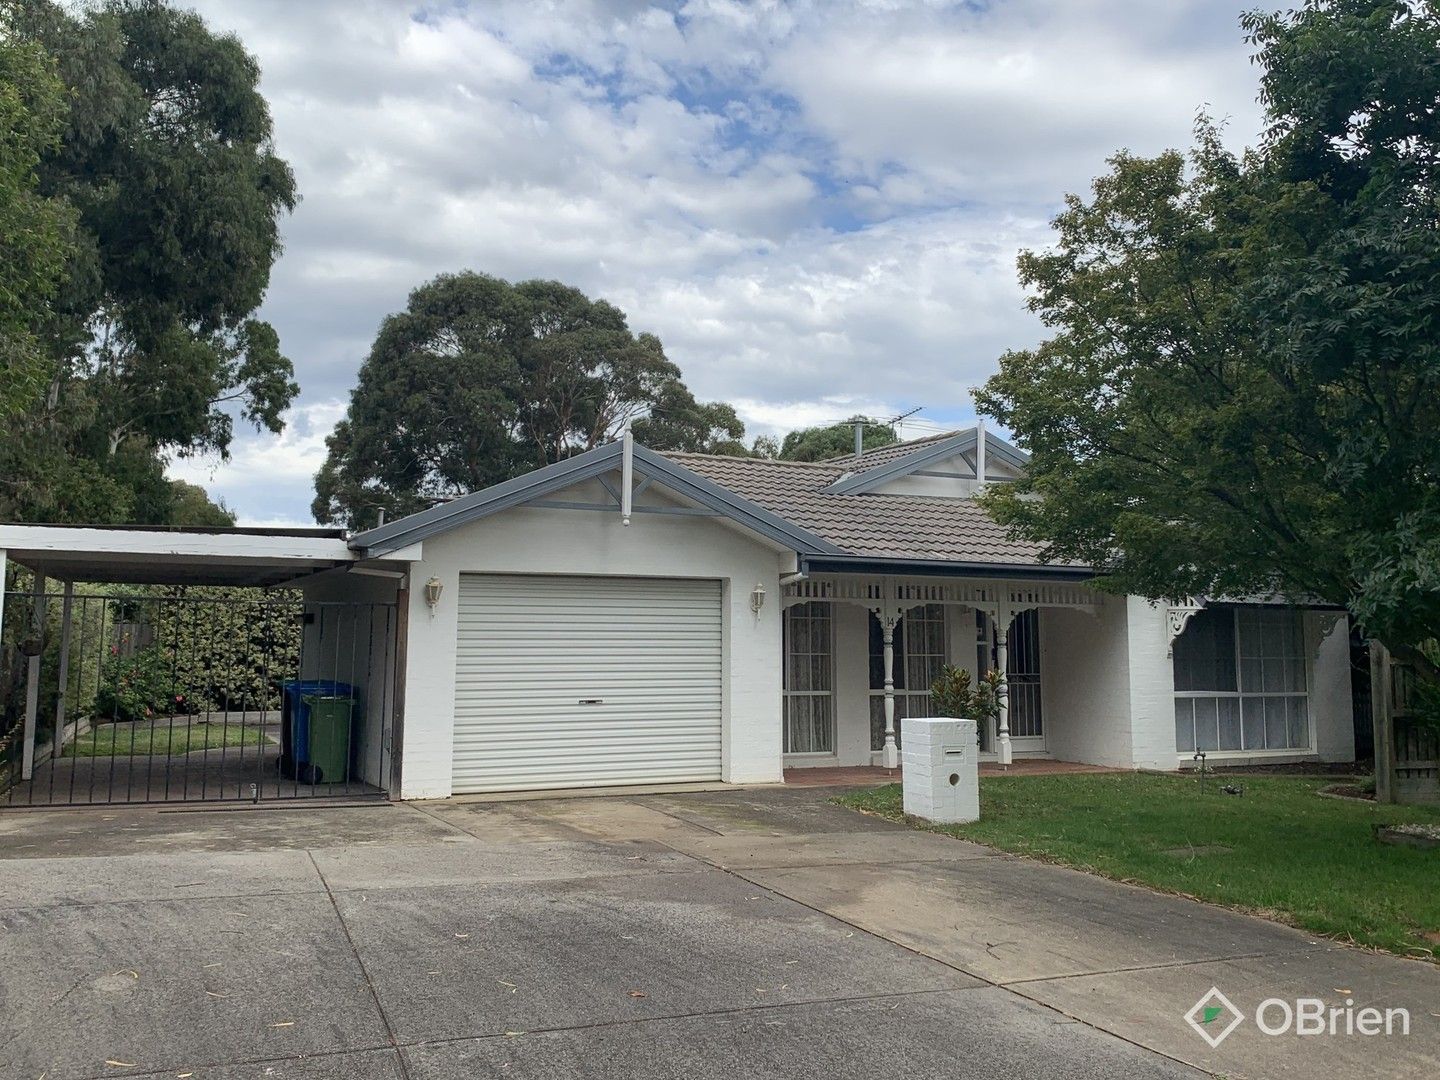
point(266, 473)
point(813, 203)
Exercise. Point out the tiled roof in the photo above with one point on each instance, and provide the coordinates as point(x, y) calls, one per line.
point(868, 525)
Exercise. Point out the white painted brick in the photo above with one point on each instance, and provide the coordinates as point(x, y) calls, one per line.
point(543, 541)
point(933, 750)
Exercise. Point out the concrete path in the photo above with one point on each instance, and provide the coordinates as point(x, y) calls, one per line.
point(761, 932)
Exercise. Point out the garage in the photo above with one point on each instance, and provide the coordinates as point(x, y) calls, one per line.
point(567, 681)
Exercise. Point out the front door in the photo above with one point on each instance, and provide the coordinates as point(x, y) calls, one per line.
point(1022, 672)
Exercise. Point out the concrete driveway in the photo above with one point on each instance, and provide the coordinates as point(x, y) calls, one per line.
point(756, 933)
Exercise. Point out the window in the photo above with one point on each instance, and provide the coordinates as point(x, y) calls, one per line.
point(809, 679)
point(920, 653)
point(1240, 681)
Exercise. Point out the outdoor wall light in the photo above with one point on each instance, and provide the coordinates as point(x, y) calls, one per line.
point(433, 588)
point(757, 598)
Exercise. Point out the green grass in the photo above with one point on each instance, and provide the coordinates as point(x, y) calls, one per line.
point(161, 741)
point(1294, 856)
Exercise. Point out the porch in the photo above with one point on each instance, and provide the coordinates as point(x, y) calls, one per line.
point(861, 652)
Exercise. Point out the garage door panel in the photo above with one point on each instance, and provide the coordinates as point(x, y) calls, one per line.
point(529, 649)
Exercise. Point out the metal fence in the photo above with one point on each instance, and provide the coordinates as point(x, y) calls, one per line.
point(141, 695)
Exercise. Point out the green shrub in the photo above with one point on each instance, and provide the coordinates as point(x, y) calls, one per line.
point(951, 694)
point(141, 686)
point(233, 645)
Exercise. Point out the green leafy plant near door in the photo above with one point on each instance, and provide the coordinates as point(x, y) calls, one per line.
point(954, 694)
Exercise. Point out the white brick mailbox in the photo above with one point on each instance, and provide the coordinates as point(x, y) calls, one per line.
point(940, 759)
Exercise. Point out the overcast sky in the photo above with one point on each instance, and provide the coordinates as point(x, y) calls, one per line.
point(816, 206)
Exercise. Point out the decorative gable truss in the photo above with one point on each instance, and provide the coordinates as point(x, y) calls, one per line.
point(605, 465)
point(957, 458)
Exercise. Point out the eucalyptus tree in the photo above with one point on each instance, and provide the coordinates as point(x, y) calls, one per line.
point(479, 380)
point(37, 229)
point(167, 162)
point(834, 440)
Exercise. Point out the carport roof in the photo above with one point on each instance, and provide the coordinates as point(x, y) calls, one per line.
point(174, 556)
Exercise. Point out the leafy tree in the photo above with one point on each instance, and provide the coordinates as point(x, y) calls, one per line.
point(765, 446)
point(1242, 392)
point(834, 440)
point(167, 161)
point(37, 230)
point(479, 380)
point(190, 505)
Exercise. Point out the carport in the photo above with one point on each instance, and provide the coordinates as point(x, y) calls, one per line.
point(148, 665)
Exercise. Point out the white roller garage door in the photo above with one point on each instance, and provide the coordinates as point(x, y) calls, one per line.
point(578, 681)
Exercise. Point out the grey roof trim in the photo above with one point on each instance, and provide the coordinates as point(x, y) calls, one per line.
point(417, 527)
point(869, 564)
point(938, 451)
point(753, 516)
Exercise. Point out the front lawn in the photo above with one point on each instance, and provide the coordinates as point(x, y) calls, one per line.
point(1278, 849)
point(125, 740)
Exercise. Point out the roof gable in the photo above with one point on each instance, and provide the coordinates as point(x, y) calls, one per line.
point(551, 478)
point(872, 475)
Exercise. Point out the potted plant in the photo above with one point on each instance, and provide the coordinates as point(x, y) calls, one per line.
point(953, 694)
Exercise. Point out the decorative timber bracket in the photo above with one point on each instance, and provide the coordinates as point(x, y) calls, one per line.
point(1177, 617)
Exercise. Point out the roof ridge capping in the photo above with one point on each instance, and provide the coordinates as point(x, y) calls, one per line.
point(829, 464)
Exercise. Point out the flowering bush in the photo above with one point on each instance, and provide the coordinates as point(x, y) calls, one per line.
point(232, 645)
point(140, 686)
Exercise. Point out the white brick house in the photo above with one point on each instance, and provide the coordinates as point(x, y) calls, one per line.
point(629, 617)
point(738, 625)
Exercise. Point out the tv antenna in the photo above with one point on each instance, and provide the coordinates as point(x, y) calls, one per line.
point(898, 422)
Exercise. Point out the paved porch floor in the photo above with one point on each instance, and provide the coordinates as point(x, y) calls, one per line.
point(759, 932)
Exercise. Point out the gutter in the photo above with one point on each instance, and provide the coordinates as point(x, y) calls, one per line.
point(859, 564)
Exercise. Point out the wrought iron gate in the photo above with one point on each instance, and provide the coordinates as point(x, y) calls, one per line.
point(126, 694)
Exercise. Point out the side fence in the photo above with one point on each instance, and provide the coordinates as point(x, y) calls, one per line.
point(1407, 752)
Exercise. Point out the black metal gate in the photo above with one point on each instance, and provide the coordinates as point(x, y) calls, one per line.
point(131, 694)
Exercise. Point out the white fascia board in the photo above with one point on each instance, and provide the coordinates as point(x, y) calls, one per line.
point(37, 540)
point(929, 454)
point(411, 553)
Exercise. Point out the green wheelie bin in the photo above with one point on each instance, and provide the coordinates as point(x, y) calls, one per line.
point(332, 736)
